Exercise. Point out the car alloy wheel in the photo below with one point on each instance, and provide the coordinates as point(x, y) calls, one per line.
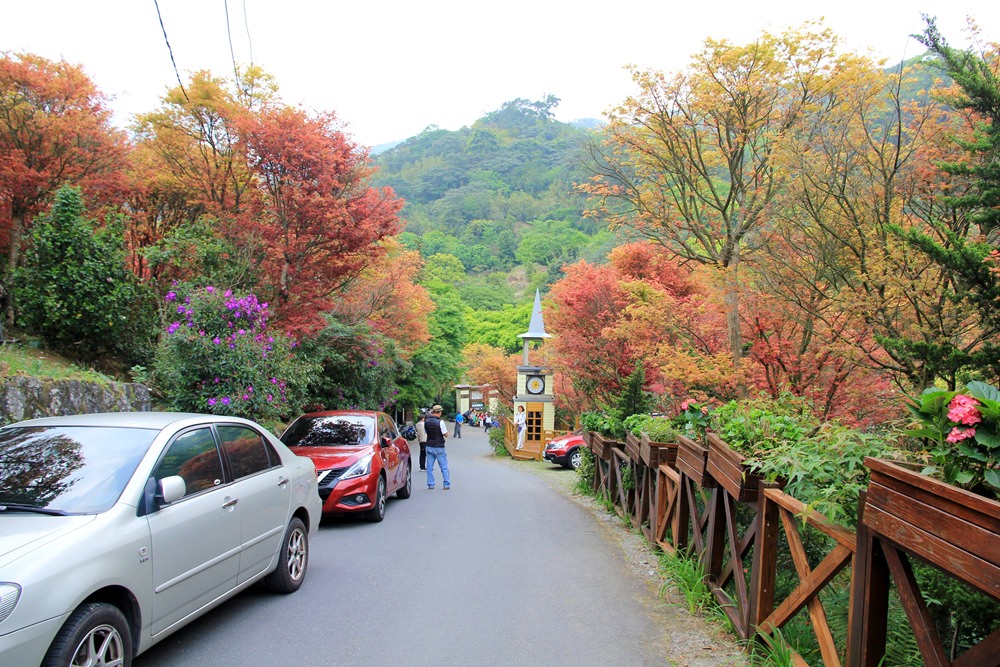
point(377, 512)
point(293, 560)
point(96, 634)
point(575, 459)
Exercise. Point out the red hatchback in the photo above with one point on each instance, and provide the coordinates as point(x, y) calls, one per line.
point(360, 459)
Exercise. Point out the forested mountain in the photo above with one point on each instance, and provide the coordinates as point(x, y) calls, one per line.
point(499, 196)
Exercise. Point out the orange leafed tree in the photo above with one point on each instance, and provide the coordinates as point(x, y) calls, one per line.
point(387, 296)
point(688, 159)
point(55, 129)
point(318, 219)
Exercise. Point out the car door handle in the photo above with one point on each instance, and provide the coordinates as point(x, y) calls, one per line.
point(282, 481)
point(230, 503)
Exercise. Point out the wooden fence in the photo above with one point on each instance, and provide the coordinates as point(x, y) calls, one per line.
point(700, 500)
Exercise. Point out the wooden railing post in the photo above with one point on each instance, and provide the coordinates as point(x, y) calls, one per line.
point(869, 598)
point(765, 559)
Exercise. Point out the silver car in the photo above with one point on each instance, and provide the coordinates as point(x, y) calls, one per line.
point(117, 529)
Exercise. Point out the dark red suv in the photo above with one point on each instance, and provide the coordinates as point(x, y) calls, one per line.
point(360, 459)
point(564, 450)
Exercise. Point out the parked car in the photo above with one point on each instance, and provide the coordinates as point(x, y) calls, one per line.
point(361, 459)
point(117, 529)
point(564, 450)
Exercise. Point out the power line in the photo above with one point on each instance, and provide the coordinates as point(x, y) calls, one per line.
point(171, 51)
point(232, 54)
point(247, 26)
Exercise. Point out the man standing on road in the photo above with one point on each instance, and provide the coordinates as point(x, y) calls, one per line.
point(459, 418)
point(422, 439)
point(437, 431)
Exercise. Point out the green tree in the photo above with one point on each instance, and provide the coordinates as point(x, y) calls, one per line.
point(970, 253)
point(499, 329)
point(358, 367)
point(74, 291)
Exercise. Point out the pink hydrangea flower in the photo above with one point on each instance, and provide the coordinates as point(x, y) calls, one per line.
point(963, 410)
point(958, 434)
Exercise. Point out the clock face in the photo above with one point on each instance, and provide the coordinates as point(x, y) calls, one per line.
point(535, 384)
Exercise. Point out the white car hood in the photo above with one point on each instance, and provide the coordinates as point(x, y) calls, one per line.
point(20, 534)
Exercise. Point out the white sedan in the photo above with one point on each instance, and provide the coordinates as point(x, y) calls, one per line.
point(117, 529)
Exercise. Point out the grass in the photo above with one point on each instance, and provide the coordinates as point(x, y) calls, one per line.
point(31, 360)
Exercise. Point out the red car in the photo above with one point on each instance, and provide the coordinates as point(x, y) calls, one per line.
point(360, 459)
point(565, 450)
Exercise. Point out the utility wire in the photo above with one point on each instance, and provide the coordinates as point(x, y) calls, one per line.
point(232, 54)
point(247, 26)
point(171, 51)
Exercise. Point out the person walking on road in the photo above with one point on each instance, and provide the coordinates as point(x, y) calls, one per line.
point(421, 427)
point(459, 418)
point(520, 420)
point(437, 431)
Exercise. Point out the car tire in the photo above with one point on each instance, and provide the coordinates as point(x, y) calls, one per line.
point(96, 633)
point(574, 460)
point(377, 513)
point(293, 560)
point(407, 488)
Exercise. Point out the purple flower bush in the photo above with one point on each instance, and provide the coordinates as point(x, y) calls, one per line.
point(219, 355)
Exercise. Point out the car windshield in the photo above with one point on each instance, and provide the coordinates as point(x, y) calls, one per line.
point(69, 469)
point(330, 431)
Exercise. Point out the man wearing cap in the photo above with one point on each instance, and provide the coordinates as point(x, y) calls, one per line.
point(437, 431)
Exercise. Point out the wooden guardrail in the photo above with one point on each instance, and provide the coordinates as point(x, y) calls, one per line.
point(746, 532)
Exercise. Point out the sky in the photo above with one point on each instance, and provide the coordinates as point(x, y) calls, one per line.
point(391, 68)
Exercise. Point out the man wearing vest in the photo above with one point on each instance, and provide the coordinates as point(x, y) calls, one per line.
point(437, 431)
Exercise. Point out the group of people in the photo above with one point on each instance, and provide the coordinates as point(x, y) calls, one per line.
point(432, 431)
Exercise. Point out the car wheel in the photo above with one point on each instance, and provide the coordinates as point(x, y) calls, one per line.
point(405, 490)
point(95, 634)
point(293, 560)
point(377, 513)
point(575, 459)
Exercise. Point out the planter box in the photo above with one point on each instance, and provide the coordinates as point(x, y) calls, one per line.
point(632, 446)
point(654, 453)
point(954, 529)
point(598, 445)
point(729, 469)
point(692, 458)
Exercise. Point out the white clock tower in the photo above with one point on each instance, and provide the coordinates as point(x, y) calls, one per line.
point(535, 390)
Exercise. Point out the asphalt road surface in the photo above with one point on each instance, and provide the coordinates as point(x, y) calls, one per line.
point(503, 569)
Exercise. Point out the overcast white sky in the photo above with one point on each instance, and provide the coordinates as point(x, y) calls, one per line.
point(390, 68)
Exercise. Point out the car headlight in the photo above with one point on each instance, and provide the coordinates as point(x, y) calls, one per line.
point(361, 467)
point(9, 595)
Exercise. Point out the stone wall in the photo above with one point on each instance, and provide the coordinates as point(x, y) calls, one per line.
point(27, 397)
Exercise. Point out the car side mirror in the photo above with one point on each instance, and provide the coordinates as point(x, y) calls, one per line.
point(386, 441)
point(171, 488)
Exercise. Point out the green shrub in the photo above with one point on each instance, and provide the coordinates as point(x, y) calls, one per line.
point(755, 426)
point(657, 429)
point(496, 440)
point(585, 473)
point(608, 425)
point(219, 356)
point(75, 292)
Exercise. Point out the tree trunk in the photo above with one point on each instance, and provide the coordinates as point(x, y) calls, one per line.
point(731, 299)
point(13, 257)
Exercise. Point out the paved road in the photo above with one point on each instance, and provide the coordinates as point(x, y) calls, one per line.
point(502, 569)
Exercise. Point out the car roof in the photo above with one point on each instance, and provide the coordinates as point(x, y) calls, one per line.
point(151, 420)
point(342, 413)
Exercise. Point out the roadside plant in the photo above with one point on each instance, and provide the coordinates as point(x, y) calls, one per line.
point(657, 429)
point(754, 426)
point(585, 473)
point(960, 429)
point(219, 356)
point(694, 419)
point(607, 423)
